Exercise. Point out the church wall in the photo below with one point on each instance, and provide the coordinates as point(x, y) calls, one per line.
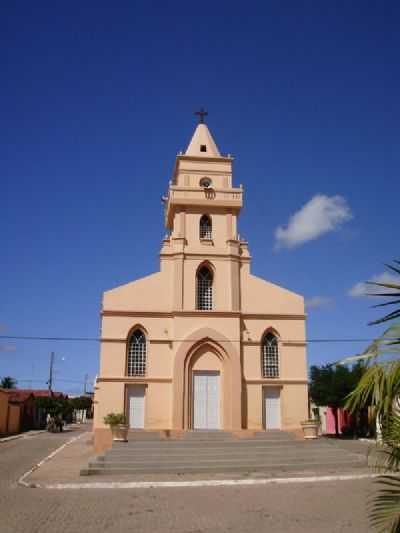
point(293, 363)
point(219, 171)
point(259, 296)
point(221, 284)
point(158, 406)
point(286, 329)
point(207, 361)
point(118, 327)
point(294, 402)
point(219, 230)
point(292, 357)
point(294, 405)
point(226, 326)
point(253, 406)
point(290, 363)
point(113, 359)
point(149, 293)
point(109, 397)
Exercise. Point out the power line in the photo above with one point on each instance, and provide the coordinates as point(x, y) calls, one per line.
point(54, 380)
point(96, 339)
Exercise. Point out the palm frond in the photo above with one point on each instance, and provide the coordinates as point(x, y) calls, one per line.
point(386, 303)
point(395, 286)
point(379, 386)
point(383, 345)
point(385, 508)
point(386, 318)
point(391, 267)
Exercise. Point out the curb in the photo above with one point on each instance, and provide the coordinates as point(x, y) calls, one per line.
point(33, 433)
point(26, 435)
point(200, 483)
point(21, 481)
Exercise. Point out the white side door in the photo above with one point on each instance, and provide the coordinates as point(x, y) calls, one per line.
point(136, 396)
point(206, 400)
point(272, 408)
point(213, 401)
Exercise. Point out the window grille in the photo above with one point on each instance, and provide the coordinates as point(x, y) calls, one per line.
point(204, 288)
point(205, 227)
point(137, 354)
point(270, 356)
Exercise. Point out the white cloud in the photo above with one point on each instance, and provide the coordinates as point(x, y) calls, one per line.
point(321, 302)
point(362, 289)
point(319, 215)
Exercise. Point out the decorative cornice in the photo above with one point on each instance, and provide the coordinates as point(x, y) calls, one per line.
point(151, 341)
point(273, 316)
point(128, 380)
point(199, 159)
point(195, 312)
point(277, 382)
point(195, 255)
point(150, 314)
point(250, 342)
point(294, 343)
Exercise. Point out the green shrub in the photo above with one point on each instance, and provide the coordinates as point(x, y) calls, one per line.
point(114, 419)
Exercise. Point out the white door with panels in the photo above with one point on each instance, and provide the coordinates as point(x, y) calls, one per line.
point(206, 403)
point(272, 408)
point(136, 396)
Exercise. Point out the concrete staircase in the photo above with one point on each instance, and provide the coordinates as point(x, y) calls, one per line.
point(198, 452)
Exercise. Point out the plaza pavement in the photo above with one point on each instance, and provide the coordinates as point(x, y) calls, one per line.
point(338, 506)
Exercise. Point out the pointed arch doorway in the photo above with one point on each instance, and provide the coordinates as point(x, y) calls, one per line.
point(206, 352)
point(206, 370)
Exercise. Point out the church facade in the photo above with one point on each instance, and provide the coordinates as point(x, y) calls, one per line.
point(202, 344)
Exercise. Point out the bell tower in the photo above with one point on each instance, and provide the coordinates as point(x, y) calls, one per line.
point(201, 212)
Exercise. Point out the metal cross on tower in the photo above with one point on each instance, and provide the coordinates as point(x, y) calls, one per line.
point(202, 113)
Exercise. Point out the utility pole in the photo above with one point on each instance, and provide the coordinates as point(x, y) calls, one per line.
point(50, 382)
point(85, 384)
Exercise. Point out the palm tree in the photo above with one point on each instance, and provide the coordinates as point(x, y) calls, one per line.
point(8, 383)
point(380, 387)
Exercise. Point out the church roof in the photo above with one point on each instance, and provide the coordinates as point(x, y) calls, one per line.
point(202, 143)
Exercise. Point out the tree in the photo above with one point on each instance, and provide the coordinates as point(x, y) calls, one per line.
point(380, 385)
point(8, 383)
point(81, 403)
point(330, 385)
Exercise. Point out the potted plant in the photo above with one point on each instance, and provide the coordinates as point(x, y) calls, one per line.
point(118, 425)
point(310, 428)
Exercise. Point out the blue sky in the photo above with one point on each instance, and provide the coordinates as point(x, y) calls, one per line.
point(96, 101)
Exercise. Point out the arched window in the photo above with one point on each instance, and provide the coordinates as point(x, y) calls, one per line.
point(204, 288)
point(205, 227)
point(270, 356)
point(136, 354)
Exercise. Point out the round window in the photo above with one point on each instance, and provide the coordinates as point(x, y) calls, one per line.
point(205, 182)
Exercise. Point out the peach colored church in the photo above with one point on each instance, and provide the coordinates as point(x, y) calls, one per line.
point(202, 344)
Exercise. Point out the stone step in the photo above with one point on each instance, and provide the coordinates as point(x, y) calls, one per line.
point(214, 443)
point(228, 467)
point(257, 455)
point(206, 435)
point(221, 455)
point(226, 435)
